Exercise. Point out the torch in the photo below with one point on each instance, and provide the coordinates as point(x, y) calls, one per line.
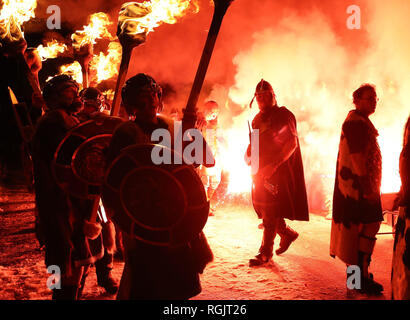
point(189, 118)
point(135, 21)
point(34, 63)
point(84, 40)
point(12, 43)
point(130, 36)
point(83, 54)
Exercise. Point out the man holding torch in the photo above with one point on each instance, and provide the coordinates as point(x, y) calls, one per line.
point(279, 190)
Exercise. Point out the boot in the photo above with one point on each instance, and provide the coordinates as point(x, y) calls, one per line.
point(259, 260)
point(266, 249)
point(65, 293)
point(286, 239)
point(371, 287)
point(368, 285)
point(108, 283)
point(103, 269)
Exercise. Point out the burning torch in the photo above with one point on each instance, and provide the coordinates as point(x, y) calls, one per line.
point(135, 21)
point(130, 36)
point(12, 43)
point(84, 40)
point(190, 112)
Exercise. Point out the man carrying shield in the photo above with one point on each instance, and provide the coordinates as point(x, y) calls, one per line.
point(71, 242)
point(153, 270)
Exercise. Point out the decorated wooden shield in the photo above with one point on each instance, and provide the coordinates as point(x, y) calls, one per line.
point(164, 205)
point(79, 162)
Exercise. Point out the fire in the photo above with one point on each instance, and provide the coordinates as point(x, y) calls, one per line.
point(390, 167)
point(106, 66)
point(109, 94)
point(96, 29)
point(74, 70)
point(155, 12)
point(13, 14)
point(232, 158)
point(51, 50)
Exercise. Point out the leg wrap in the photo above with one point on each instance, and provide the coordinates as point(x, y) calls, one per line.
point(366, 244)
point(108, 233)
point(267, 242)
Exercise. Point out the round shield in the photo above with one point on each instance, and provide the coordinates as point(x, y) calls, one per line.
point(164, 205)
point(79, 162)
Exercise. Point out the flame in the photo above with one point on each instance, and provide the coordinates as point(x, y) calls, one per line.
point(51, 50)
point(96, 29)
point(109, 94)
point(232, 160)
point(13, 14)
point(106, 66)
point(156, 12)
point(74, 70)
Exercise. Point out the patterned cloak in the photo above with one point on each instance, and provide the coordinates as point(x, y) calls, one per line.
point(358, 148)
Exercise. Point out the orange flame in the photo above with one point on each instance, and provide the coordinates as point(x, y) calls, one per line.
point(13, 14)
point(155, 12)
point(109, 94)
point(74, 70)
point(106, 66)
point(96, 29)
point(51, 50)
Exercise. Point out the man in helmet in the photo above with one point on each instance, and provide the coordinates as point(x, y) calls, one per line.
point(71, 242)
point(153, 272)
point(94, 104)
point(279, 190)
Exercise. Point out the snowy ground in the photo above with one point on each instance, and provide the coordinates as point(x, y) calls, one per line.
point(304, 272)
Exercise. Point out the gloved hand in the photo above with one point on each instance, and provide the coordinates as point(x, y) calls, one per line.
point(92, 229)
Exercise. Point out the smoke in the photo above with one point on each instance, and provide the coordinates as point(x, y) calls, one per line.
point(314, 65)
point(304, 49)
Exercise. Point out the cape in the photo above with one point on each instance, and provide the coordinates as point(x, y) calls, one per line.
point(290, 199)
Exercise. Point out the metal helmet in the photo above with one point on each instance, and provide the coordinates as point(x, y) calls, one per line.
point(261, 87)
point(54, 85)
point(94, 97)
point(136, 85)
